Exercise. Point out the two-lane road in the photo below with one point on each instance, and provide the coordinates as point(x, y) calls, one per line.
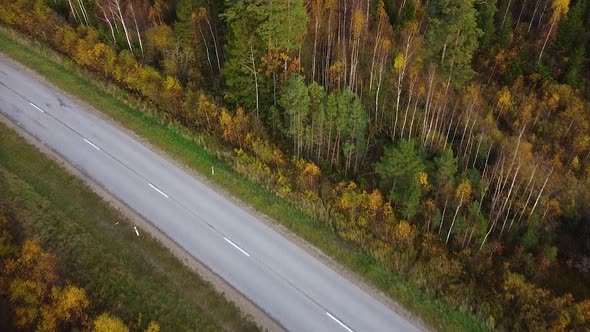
point(294, 288)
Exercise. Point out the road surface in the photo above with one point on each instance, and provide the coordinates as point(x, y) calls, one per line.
point(291, 286)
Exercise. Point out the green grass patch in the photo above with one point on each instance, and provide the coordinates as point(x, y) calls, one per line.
point(200, 153)
point(122, 273)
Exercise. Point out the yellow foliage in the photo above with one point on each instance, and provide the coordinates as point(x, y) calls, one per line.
point(385, 45)
point(387, 211)
point(582, 144)
point(282, 180)
point(335, 72)
point(150, 83)
point(464, 191)
point(381, 11)
point(103, 58)
point(553, 207)
point(358, 23)
point(239, 152)
point(504, 99)
point(311, 174)
point(399, 62)
point(375, 201)
point(582, 311)
point(260, 148)
point(69, 303)
point(172, 84)
point(108, 323)
point(153, 327)
point(311, 170)
point(160, 37)
point(344, 203)
point(403, 233)
point(34, 275)
point(235, 128)
point(172, 94)
point(351, 186)
point(576, 163)
point(127, 69)
point(225, 120)
point(49, 320)
point(284, 191)
point(83, 53)
point(561, 323)
point(552, 100)
point(65, 39)
point(277, 157)
point(560, 7)
point(430, 205)
point(542, 308)
point(423, 180)
point(23, 295)
point(36, 266)
point(207, 112)
point(89, 34)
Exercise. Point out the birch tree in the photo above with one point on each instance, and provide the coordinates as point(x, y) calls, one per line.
point(560, 8)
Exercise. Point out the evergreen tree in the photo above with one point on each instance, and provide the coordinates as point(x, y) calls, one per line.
point(257, 27)
point(452, 38)
point(184, 11)
point(244, 48)
point(399, 169)
point(295, 101)
point(572, 40)
point(445, 168)
point(316, 133)
point(284, 25)
point(486, 10)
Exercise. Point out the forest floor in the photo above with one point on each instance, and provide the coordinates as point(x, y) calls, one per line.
point(198, 153)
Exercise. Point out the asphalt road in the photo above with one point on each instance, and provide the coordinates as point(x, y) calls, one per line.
point(294, 288)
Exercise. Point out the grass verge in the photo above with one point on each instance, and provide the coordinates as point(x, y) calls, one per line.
point(200, 154)
point(122, 273)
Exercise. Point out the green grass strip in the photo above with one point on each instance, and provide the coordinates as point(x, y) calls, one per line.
point(191, 150)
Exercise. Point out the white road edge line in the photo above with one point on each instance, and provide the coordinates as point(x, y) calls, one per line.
point(158, 190)
point(339, 322)
point(236, 246)
point(35, 106)
point(94, 146)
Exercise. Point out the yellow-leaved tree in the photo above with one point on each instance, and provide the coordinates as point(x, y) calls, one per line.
point(560, 8)
point(108, 323)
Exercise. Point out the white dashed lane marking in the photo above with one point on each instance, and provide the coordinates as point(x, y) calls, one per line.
point(236, 246)
point(158, 190)
point(339, 322)
point(38, 109)
point(92, 144)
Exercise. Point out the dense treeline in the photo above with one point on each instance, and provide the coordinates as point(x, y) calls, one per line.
point(450, 140)
point(36, 297)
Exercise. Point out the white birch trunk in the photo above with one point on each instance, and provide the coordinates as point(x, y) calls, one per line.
point(120, 16)
point(454, 218)
point(137, 29)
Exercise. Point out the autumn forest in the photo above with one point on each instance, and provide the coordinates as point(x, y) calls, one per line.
point(448, 140)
